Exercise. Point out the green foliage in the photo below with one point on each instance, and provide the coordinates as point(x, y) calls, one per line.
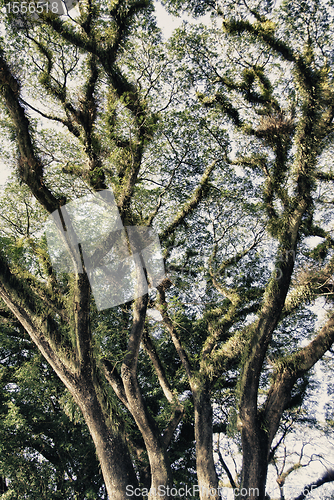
point(221, 140)
point(46, 451)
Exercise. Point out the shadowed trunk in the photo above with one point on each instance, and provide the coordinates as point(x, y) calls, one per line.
point(255, 464)
point(206, 472)
point(127, 389)
point(111, 448)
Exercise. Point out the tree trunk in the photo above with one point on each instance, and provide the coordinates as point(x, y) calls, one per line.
point(255, 464)
point(158, 477)
point(112, 451)
point(3, 485)
point(161, 478)
point(206, 472)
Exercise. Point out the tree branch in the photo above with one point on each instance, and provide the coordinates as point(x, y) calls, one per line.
point(170, 396)
point(30, 167)
point(289, 370)
point(191, 204)
point(39, 325)
point(115, 381)
point(328, 477)
point(162, 306)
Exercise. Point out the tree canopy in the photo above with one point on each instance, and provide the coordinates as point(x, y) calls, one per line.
point(220, 140)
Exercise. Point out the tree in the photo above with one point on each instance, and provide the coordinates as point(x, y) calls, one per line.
point(223, 158)
point(46, 450)
point(286, 141)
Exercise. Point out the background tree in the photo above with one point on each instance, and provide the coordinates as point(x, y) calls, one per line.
point(284, 142)
point(46, 450)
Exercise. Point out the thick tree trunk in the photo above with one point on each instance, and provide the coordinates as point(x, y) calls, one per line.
point(206, 472)
point(112, 451)
point(158, 479)
point(255, 464)
point(3, 485)
point(161, 479)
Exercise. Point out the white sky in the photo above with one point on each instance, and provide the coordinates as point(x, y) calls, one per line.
point(4, 173)
point(166, 22)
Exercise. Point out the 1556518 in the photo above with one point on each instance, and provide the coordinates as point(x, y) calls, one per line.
point(32, 7)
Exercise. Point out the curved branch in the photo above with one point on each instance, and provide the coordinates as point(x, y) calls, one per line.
point(162, 306)
point(289, 370)
point(191, 204)
point(30, 167)
point(328, 477)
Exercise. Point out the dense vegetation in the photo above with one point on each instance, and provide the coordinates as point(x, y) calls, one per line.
point(221, 140)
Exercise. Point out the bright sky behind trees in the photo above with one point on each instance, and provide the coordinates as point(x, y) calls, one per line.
point(166, 22)
point(215, 140)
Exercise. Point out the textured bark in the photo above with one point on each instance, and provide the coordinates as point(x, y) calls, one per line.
point(76, 370)
point(159, 464)
point(255, 434)
point(258, 427)
point(3, 485)
point(111, 448)
point(159, 370)
point(205, 466)
point(255, 464)
point(30, 166)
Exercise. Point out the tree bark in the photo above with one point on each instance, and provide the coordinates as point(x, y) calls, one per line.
point(128, 391)
point(255, 463)
point(205, 467)
point(77, 374)
point(206, 472)
point(3, 485)
point(111, 448)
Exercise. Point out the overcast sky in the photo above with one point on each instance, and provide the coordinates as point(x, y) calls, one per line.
point(4, 173)
point(166, 22)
